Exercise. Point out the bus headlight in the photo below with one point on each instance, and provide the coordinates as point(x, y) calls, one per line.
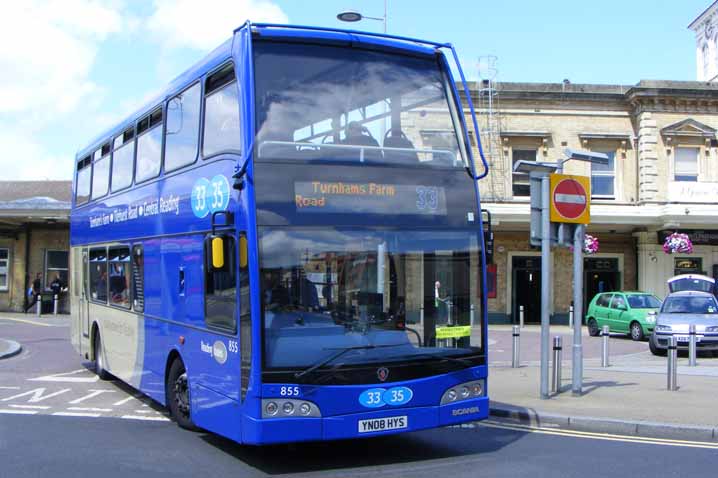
point(288, 408)
point(463, 391)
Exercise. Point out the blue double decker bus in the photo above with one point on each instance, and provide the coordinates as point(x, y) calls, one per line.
point(286, 244)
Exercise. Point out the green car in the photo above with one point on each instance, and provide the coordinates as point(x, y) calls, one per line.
point(626, 312)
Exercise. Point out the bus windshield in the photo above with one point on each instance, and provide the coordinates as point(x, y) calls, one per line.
point(381, 295)
point(327, 103)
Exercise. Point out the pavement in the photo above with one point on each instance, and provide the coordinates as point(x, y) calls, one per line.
point(630, 397)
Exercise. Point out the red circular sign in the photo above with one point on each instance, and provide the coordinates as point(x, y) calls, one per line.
point(569, 198)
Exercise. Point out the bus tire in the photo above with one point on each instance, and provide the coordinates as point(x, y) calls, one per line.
point(178, 394)
point(100, 369)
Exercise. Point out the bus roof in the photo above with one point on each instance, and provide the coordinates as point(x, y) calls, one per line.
point(263, 30)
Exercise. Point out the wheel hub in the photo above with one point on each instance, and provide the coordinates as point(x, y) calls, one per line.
point(182, 394)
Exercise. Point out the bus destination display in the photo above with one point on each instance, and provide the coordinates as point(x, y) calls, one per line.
point(338, 197)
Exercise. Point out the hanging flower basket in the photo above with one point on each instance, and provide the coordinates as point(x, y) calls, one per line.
point(678, 243)
point(590, 244)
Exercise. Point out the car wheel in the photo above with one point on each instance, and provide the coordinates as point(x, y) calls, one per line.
point(100, 369)
point(636, 331)
point(592, 325)
point(178, 394)
point(654, 349)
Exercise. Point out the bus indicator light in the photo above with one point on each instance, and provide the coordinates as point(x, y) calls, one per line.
point(217, 253)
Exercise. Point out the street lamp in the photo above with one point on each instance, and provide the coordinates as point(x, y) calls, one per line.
point(353, 16)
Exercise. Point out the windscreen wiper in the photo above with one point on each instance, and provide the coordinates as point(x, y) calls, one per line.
point(339, 353)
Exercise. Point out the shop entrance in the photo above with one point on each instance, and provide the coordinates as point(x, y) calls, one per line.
point(526, 276)
point(600, 275)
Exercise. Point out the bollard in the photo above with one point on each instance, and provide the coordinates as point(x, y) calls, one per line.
point(605, 332)
point(421, 316)
point(692, 345)
point(556, 383)
point(521, 316)
point(38, 305)
point(472, 315)
point(672, 364)
point(516, 335)
point(55, 302)
point(570, 316)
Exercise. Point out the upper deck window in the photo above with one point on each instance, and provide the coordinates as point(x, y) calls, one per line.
point(82, 184)
point(182, 134)
point(101, 172)
point(122, 160)
point(331, 103)
point(221, 113)
point(149, 146)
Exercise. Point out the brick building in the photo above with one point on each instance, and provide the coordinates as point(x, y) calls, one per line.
point(662, 177)
point(34, 237)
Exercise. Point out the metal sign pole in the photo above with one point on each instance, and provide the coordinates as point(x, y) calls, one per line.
point(577, 358)
point(545, 282)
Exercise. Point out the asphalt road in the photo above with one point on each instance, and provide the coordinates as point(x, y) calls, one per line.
point(57, 420)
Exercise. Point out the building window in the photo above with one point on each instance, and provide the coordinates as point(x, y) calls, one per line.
point(685, 165)
point(149, 146)
point(4, 269)
point(56, 265)
point(221, 112)
point(520, 181)
point(182, 133)
point(603, 177)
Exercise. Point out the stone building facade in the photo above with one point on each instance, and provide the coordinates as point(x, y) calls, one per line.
point(34, 239)
point(663, 177)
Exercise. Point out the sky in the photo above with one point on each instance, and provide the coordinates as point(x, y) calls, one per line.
point(72, 68)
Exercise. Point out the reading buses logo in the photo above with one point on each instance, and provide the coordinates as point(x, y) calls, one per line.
point(217, 350)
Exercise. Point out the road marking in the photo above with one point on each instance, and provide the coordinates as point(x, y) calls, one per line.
point(31, 322)
point(601, 436)
point(145, 417)
point(90, 395)
point(89, 409)
point(9, 388)
point(37, 395)
point(123, 401)
point(18, 412)
point(63, 377)
point(32, 407)
point(76, 414)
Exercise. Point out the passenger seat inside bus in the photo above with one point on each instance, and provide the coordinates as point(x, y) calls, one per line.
point(395, 138)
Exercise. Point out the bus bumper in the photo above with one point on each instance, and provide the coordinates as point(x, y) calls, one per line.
point(361, 425)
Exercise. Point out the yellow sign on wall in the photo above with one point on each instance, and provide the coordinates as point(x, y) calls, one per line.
point(570, 199)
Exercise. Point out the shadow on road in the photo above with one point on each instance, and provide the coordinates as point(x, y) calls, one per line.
point(590, 386)
point(469, 441)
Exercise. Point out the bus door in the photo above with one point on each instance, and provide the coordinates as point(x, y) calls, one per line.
point(84, 312)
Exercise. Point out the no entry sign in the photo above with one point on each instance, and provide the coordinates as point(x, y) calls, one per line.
point(570, 199)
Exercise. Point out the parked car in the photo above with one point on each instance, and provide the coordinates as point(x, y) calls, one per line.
point(626, 312)
point(679, 311)
point(697, 282)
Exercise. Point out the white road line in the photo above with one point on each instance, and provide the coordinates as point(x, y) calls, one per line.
point(30, 322)
point(144, 417)
point(10, 388)
point(32, 407)
point(89, 409)
point(144, 411)
point(123, 401)
point(90, 395)
point(18, 412)
point(37, 395)
point(76, 414)
point(63, 377)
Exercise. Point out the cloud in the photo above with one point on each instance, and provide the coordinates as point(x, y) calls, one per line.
point(204, 25)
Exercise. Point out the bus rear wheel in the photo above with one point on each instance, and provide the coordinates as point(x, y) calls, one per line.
point(178, 396)
point(100, 359)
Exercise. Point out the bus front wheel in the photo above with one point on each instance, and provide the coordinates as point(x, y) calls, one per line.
point(178, 395)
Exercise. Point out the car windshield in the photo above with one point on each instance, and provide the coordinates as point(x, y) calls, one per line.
point(346, 104)
point(690, 305)
point(643, 301)
point(384, 295)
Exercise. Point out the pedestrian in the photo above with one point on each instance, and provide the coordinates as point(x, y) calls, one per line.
point(35, 291)
point(56, 286)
